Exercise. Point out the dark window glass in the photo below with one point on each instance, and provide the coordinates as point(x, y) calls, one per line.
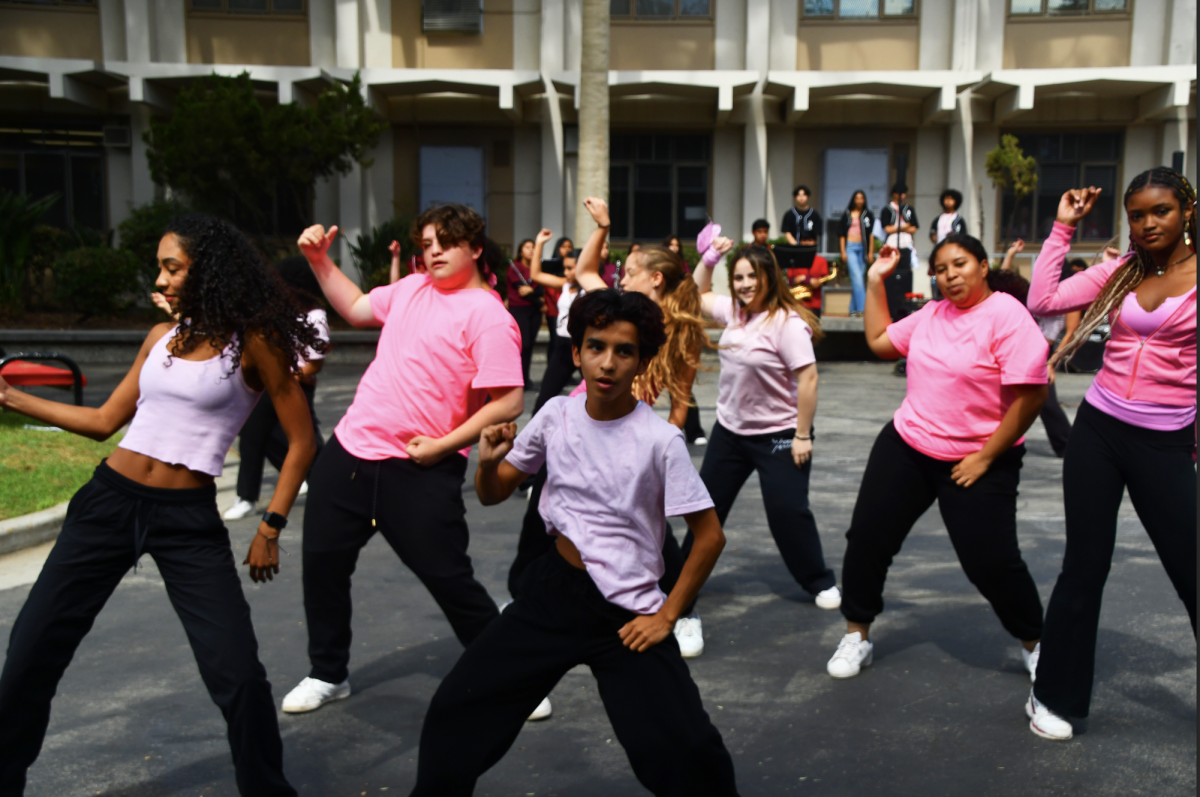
point(655, 8)
point(1048, 149)
point(46, 174)
point(693, 200)
point(691, 148)
point(694, 8)
point(288, 6)
point(619, 8)
point(251, 6)
point(622, 147)
point(1052, 182)
point(208, 5)
point(1098, 225)
point(1066, 6)
point(1070, 148)
point(87, 193)
point(660, 184)
point(1020, 224)
point(899, 7)
point(654, 177)
point(1099, 147)
point(818, 8)
point(618, 203)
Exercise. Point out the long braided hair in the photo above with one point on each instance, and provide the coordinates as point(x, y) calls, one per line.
point(686, 336)
point(1137, 261)
point(230, 290)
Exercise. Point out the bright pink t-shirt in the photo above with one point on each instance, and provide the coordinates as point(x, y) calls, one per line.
point(960, 363)
point(756, 392)
point(610, 487)
point(439, 352)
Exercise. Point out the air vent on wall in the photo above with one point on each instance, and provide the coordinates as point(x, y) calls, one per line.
point(116, 136)
point(452, 16)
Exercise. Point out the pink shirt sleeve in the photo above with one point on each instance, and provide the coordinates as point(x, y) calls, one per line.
point(1019, 347)
point(684, 490)
point(722, 311)
point(900, 332)
point(529, 449)
point(495, 348)
point(795, 344)
point(1050, 296)
point(381, 300)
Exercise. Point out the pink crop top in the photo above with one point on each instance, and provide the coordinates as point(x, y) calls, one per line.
point(188, 411)
point(1145, 322)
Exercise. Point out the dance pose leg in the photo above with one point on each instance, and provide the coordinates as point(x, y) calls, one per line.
point(253, 442)
point(857, 266)
point(1058, 426)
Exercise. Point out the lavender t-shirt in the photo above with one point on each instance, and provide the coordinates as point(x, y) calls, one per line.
point(610, 489)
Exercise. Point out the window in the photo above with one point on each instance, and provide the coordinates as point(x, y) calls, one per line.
point(860, 9)
point(660, 9)
point(59, 3)
point(1054, 8)
point(658, 186)
point(1067, 160)
point(249, 6)
point(452, 16)
point(40, 162)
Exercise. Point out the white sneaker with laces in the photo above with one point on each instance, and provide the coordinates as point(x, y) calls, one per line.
point(239, 510)
point(542, 711)
point(1031, 660)
point(853, 653)
point(303, 488)
point(829, 598)
point(689, 633)
point(1045, 723)
point(312, 693)
point(700, 441)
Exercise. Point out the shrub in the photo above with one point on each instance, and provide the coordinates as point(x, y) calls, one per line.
point(19, 213)
point(372, 256)
point(141, 232)
point(96, 280)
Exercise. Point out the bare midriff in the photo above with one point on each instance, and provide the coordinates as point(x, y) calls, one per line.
point(568, 551)
point(155, 473)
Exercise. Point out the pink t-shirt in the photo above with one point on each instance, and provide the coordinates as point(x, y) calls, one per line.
point(756, 393)
point(611, 486)
point(960, 363)
point(439, 352)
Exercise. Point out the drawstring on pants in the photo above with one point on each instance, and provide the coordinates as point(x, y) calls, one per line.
point(374, 489)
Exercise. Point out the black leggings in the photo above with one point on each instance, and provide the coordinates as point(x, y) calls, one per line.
point(110, 522)
point(262, 437)
point(1058, 426)
point(419, 511)
point(529, 320)
point(560, 365)
point(899, 484)
point(1104, 458)
point(560, 620)
point(729, 461)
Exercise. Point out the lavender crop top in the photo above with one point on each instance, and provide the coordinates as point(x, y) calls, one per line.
point(189, 411)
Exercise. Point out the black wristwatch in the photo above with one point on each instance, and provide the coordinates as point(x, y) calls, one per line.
point(275, 520)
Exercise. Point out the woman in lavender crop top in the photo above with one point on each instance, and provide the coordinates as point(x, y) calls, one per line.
point(187, 394)
point(1136, 429)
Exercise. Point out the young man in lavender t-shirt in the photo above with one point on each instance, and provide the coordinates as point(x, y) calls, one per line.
point(616, 471)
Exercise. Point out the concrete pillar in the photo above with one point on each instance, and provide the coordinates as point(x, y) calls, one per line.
point(350, 219)
point(785, 16)
point(526, 32)
point(966, 34)
point(1174, 139)
point(936, 48)
point(986, 138)
point(1141, 146)
point(170, 32)
point(553, 170)
point(960, 169)
point(142, 188)
point(348, 34)
point(552, 33)
point(781, 174)
point(730, 24)
point(754, 163)
point(527, 182)
point(376, 21)
point(929, 179)
point(989, 47)
point(379, 184)
point(322, 33)
point(118, 168)
point(727, 193)
point(112, 29)
point(572, 33)
point(1181, 32)
point(137, 30)
point(1149, 35)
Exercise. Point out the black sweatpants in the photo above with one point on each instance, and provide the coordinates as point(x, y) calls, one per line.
point(560, 365)
point(529, 321)
point(1106, 457)
point(421, 514)
point(262, 438)
point(560, 620)
point(729, 461)
point(899, 484)
point(1058, 426)
point(691, 425)
point(110, 522)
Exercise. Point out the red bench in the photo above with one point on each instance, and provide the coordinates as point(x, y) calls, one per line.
point(19, 371)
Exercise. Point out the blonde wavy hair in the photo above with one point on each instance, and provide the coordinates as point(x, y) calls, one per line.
point(777, 295)
point(686, 336)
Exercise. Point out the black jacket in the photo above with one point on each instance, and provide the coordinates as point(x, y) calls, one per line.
point(803, 224)
point(959, 226)
point(866, 220)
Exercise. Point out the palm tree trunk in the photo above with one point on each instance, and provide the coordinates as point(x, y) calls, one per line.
point(593, 113)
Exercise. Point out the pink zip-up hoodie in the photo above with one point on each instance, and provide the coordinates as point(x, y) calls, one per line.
point(1161, 368)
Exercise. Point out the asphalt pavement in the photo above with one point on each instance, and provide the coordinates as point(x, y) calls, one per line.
point(938, 713)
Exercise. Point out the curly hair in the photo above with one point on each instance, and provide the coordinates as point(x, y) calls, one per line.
point(955, 195)
point(686, 336)
point(230, 290)
point(599, 309)
point(774, 286)
point(455, 224)
point(1137, 263)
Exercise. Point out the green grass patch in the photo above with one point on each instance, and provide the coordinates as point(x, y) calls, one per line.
point(39, 469)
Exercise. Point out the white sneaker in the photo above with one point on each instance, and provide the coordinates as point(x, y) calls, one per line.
point(303, 488)
point(853, 653)
point(311, 693)
point(542, 711)
point(1031, 660)
point(1045, 723)
point(239, 510)
point(700, 441)
point(829, 598)
point(690, 635)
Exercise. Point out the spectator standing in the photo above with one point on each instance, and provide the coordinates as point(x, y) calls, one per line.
point(802, 224)
point(760, 232)
point(857, 247)
point(949, 222)
point(524, 302)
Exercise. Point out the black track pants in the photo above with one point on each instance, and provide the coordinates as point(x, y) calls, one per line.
point(1106, 457)
point(111, 520)
point(559, 368)
point(560, 620)
point(421, 514)
point(529, 320)
point(262, 438)
point(899, 484)
point(1058, 426)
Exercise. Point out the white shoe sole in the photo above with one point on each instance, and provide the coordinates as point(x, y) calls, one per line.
point(864, 663)
point(306, 709)
point(828, 605)
point(542, 712)
point(1038, 731)
point(691, 654)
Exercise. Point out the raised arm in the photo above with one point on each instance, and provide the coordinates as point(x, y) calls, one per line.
point(703, 274)
point(535, 268)
point(587, 269)
point(1047, 294)
point(1013, 250)
point(876, 316)
point(344, 296)
point(394, 269)
point(97, 423)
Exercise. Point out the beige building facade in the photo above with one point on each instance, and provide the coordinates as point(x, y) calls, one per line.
point(719, 107)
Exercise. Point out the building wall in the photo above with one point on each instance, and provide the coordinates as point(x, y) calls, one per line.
point(412, 49)
point(673, 45)
point(1056, 43)
point(854, 46)
point(51, 33)
point(213, 39)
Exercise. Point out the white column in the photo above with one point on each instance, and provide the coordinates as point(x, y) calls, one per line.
point(379, 184)
point(937, 28)
point(986, 138)
point(553, 35)
point(350, 218)
point(526, 31)
point(553, 171)
point(781, 173)
point(966, 34)
point(730, 25)
point(118, 168)
point(1141, 145)
point(754, 163)
point(348, 34)
point(1149, 35)
point(727, 192)
point(929, 175)
point(170, 32)
point(989, 47)
point(112, 29)
point(527, 182)
point(758, 31)
point(137, 30)
point(142, 184)
point(785, 15)
point(376, 16)
point(1181, 33)
point(1174, 139)
point(960, 170)
point(322, 33)
point(572, 33)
